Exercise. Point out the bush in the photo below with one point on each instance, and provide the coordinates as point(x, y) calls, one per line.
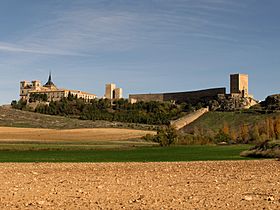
point(265, 149)
point(166, 136)
point(149, 137)
point(222, 137)
point(19, 104)
point(189, 139)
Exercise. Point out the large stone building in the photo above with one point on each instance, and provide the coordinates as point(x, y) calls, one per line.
point(112, 92)
point(237, 99)
point(27, 89)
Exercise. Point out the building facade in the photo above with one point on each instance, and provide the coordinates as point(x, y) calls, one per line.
point(27, 89)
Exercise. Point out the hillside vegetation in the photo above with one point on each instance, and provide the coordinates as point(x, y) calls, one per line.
point(10, 117)
point(233, 127)
point(153, 113)
point(214, 121)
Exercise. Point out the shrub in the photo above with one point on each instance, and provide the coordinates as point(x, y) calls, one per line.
point(265, 149)
point(166, 136)
point(222, 137)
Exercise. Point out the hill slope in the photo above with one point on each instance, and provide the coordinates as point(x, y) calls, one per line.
point(214, 121)
point(17, 118)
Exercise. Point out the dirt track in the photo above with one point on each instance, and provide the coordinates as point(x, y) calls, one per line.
point(193, 185)
point(27, 134)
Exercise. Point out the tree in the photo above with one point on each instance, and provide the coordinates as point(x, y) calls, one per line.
point(244, 133)
point(13, 103)
point(255, 134)
point(225, 128)
point(233, 135)
point(277, 127)
point(270, 128)
point(166, 136)
point(222, 137)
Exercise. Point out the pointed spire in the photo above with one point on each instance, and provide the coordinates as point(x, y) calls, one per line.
point(50, 78)
point(49, 82)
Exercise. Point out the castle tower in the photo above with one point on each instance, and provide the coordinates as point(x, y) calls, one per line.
point(109, 91)
point(118, 93)
point(239, 84)
point(25, 86)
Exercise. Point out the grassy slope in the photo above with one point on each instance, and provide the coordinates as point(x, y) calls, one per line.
point(215, 120)
point(17, 118)
point(137, 154)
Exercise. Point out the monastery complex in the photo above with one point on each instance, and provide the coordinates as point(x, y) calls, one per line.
point(27, 89)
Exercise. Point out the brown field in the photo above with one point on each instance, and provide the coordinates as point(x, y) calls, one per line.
point(186, 185)
point(95, 134)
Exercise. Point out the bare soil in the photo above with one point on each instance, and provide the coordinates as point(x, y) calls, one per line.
point(39, 134)
point(184, 185)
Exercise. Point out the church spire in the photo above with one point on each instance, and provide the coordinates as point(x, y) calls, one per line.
point(50, 82)
point(50, 78)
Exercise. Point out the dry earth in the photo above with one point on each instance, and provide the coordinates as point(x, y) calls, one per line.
point(185, 185)
point(31, 134)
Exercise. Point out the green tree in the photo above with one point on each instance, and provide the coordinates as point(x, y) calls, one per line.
point(166, 136)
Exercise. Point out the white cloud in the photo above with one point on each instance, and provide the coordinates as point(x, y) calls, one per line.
point(86, 31)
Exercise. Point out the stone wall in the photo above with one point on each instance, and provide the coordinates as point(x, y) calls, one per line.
point(146, 97)
point(186, 120)
point(191, 97)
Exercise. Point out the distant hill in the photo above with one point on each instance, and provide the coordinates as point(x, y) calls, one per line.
point(16, 118)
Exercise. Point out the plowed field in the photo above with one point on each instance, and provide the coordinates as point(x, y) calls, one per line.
point(185, 185)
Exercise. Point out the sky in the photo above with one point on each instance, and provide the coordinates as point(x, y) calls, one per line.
point(144, 46)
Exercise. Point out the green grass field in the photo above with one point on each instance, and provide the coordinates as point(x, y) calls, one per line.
point(130, 154)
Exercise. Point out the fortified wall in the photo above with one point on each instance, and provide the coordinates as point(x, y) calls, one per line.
point(186, 120)
point(191, 97)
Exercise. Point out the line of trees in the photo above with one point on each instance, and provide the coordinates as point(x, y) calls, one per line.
point(157, 113)
point(268, 129)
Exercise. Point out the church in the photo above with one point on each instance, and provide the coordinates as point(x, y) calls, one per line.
point(50, 90)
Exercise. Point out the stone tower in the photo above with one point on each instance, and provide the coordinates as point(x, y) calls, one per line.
point(25, 86)
point(118, 93)
point(112, 92)
point(239, 84)
point(109, 91)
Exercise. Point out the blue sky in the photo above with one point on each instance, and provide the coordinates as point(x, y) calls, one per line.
point(141, 45)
